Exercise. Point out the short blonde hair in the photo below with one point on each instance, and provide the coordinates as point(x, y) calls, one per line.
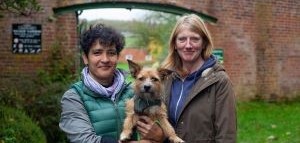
point(195, 24)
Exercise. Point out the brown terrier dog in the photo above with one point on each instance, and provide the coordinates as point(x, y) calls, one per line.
point(148, 100)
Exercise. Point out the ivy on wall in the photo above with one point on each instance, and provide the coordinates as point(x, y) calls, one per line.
point(20, 7)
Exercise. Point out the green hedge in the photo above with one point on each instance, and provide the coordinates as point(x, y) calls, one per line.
point(17, 127)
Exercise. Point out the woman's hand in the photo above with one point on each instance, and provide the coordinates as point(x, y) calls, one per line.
point(149, 130)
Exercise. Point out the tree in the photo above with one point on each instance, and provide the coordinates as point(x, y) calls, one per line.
point(20, 7)
point(154, 31)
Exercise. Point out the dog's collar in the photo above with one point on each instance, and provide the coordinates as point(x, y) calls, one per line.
point(140, 105)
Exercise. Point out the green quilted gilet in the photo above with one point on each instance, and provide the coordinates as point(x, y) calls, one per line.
point(106, 116)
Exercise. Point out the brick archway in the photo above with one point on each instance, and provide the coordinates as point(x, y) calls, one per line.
point(168, 8)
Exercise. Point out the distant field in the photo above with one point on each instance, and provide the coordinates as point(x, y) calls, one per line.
point(131, 41)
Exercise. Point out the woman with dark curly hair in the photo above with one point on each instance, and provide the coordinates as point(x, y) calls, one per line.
point(93, 109)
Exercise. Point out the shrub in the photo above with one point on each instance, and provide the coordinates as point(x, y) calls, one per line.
point(39, 96)
point(17, 127)
point(52, 82)
point(18, 94)
point(41, 103)
point(46, 110)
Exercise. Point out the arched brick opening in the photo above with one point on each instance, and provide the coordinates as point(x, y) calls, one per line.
point(134, 5)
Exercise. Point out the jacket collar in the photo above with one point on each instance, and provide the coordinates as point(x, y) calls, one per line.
point(208, 77)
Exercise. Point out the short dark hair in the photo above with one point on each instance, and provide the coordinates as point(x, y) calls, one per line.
point(107, 36)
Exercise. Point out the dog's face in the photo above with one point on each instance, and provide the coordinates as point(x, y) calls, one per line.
point(148, 81)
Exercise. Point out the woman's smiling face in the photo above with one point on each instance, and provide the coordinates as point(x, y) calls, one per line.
point(102, 62)
point(189, 45)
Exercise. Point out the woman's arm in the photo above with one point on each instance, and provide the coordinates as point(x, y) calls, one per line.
point(225, 109)
point(75, 121)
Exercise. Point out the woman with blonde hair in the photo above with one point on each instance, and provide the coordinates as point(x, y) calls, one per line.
point(200, 96)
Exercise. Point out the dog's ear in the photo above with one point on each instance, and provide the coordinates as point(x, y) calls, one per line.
point(134, 68)
point(163, 73)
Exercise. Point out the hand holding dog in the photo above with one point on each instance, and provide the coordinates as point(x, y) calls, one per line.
point(150, 130)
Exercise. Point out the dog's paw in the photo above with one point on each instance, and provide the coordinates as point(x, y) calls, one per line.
point(124, 137)
point(176, 140)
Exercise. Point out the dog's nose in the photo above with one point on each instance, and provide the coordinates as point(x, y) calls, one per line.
point(147, 87)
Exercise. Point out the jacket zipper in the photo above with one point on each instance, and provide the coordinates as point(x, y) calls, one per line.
point(177, 119)
point(117, 110)
point(180, 97)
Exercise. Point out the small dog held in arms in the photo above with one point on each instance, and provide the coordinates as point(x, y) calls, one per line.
point(148, 100)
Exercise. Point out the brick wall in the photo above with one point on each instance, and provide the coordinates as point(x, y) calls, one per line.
point(61, 31)
point(260, 39)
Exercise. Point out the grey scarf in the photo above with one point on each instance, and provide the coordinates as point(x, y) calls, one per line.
point(109, 92)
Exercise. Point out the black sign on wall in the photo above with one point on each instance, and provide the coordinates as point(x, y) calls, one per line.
point(27, 38)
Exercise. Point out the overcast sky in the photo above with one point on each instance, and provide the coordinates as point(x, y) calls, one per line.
point(112, 14)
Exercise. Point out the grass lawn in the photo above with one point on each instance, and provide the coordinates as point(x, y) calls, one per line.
point(262, 122)
point(124, 66)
